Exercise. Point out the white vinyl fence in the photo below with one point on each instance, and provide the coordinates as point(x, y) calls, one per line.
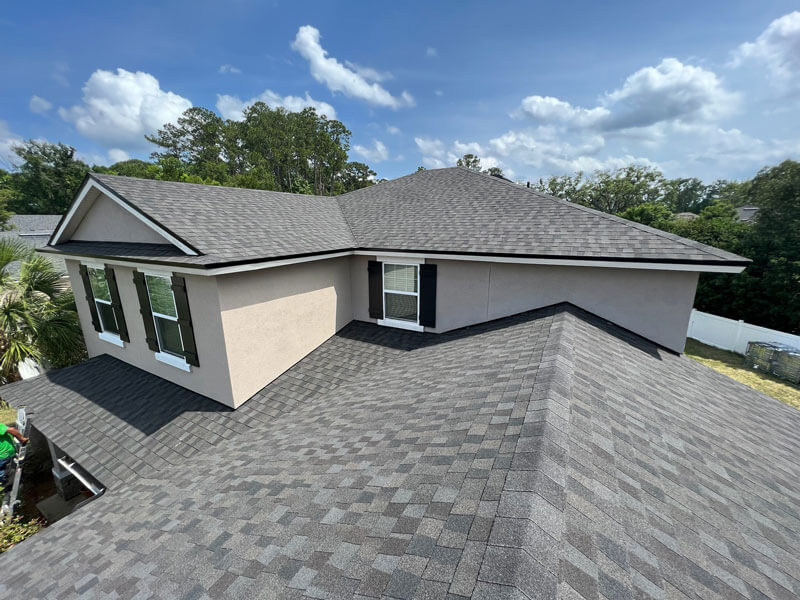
point(733, 335)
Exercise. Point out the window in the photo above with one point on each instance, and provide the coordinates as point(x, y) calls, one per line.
point(165, 315)
point(401, 295)
point(102, 300)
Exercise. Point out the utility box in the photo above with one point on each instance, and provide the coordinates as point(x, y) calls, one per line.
point(778, 359)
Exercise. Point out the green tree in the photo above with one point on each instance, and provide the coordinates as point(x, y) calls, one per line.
point(46, 179)
point(469, 161)
point(649, 213)
point(494, 172)
point(356, 175)
point(38, 319)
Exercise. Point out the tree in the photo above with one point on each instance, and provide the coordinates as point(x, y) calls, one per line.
point(649, 213)
point(356, 175)
point(469, 161)
point(47, 178)
point(494, 172)
point(38, 319)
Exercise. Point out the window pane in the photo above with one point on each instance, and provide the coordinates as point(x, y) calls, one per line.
point(161, 299)
point(97, 279)
point(169, 336)
point(401, 306)
point(107, 318)
point(402, 278)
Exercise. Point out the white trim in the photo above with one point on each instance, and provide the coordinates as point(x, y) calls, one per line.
point(401, 324)
point(93, 184)
point(268, 264)
point(175, 361)
point(112, 338)
point(397, 259)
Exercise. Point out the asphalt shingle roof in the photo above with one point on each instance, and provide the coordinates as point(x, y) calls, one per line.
point(546, 455)
point(451, 210)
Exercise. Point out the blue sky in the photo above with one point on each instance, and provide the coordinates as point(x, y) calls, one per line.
point(707, 89)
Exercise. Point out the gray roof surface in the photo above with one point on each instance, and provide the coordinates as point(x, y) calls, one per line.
point(452, 210)
point(546, 455)
point(35, 231)
point(235, 223)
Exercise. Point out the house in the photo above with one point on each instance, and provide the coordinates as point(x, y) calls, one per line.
point(442, 384)
point(746, 214)
point(34, 231)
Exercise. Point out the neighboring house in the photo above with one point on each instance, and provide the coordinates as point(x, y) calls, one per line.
point(686, 216)
point(34, 230)
point(446, 383)
point(746, 214)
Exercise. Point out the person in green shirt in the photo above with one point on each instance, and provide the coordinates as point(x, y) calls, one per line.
point(7, 448)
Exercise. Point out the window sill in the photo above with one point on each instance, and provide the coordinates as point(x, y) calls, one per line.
point(111, 338)
point(173, 361)
point(401, 324)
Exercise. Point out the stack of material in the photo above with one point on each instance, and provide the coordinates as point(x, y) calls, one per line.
point(779, 359)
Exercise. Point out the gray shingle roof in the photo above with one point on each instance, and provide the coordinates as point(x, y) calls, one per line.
point(238, 224)
point(546, 455)
point(35, 231)
point(451, 210)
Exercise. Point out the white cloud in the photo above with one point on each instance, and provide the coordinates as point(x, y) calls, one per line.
point(116, 155)
point(340, 78)
point(39, 105)
point(226, 68)
point(8, 139)
point(232, 107)
point(777, 49)
point(431, 52)
point(377, 153)
point(434, 154)
point(468, 148)
point(369, 73)
point(439, 93)
point(669, 92)
point(393, 130)
point(549, 109)
point(119, 108)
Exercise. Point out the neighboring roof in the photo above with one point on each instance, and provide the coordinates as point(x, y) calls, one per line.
point(550, 454)
point(746, 213)
point(35, 224)
point(35, 231)
point(446, 211)
point(687, 216)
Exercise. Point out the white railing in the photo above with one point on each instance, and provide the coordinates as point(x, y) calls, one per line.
point(733, 335)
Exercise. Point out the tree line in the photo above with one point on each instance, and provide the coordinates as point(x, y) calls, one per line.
point(270, 149)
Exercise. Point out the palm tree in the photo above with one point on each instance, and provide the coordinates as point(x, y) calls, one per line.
point(38, 319)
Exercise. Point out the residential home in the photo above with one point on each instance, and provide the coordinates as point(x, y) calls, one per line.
point(33, 231)
point(442, 384)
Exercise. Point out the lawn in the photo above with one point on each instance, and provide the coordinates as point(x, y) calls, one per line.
point(7, 415)
point(732, 365)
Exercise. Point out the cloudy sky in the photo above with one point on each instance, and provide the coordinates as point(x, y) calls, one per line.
point(707, 89)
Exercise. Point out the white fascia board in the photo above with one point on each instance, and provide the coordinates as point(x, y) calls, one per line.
point(613, 264)
point(93, 184)
point(414, 258)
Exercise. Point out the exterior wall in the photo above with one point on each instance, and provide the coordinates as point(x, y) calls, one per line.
point(654, 304)
point(106, 221)
point(211, 378)
point(272, 318)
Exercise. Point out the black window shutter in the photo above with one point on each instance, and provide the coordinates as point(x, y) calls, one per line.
point(427, 295)
point(375, 270)
point(87, 286)
point(147, 312)
point(184, 320)
point(116, 303)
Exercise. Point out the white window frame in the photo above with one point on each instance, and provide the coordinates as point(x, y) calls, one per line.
point(399, 324)
point(179, 362)
point(106, 336)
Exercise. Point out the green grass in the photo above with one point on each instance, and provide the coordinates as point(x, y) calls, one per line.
point(8, 415)
point(732, 365)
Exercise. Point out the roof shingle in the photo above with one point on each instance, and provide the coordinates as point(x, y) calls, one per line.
point(550, 454)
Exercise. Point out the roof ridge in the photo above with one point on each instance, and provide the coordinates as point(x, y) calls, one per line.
point(641, 227)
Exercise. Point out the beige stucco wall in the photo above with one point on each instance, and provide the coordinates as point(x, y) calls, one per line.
point(272, 318)
point(106, 221)
point(211, 378)
point(654, 304)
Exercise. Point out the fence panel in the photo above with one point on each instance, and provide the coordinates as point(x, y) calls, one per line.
point(733, 335)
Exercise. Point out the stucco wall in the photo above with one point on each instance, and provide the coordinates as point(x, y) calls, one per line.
point(211, 378)
point(106, 221)
point(273, 317)
point(654, 304)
